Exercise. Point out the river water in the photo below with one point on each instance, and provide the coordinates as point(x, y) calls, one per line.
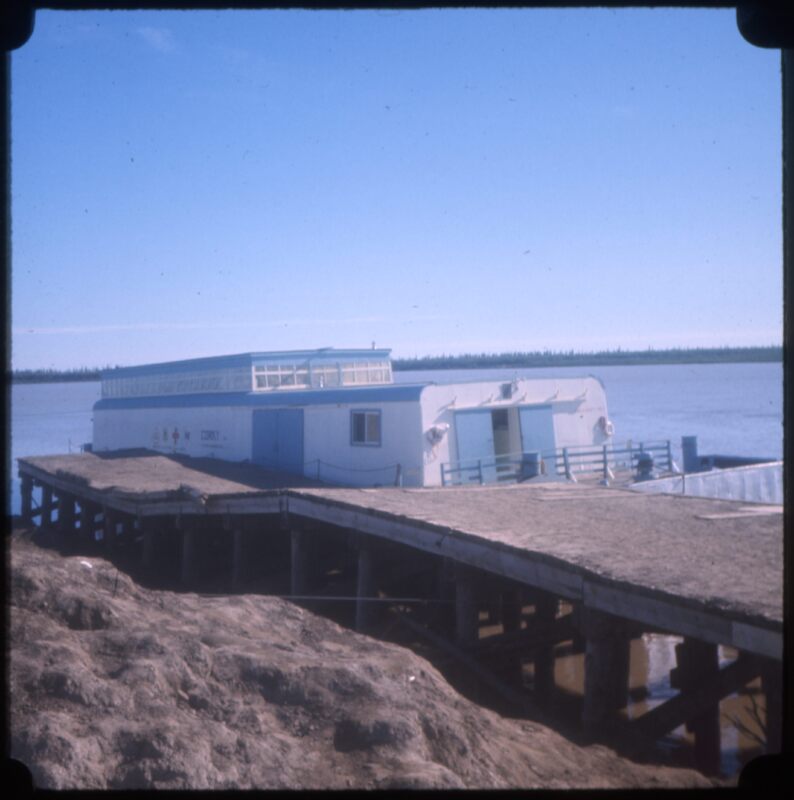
point(733, 409)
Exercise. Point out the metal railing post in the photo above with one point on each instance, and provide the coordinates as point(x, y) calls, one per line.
point(567, 463)
point(669, 457)
point(479, 470)
point(606, 465)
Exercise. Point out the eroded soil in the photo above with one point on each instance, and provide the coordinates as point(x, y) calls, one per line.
point(116, 686)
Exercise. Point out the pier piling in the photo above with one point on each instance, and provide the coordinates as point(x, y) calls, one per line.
point(46, 507)
point(88, 512)
point(301, 562)
point(148, 542)
point(238, 553)
point(543, 619)
point(27, 499)
point(366, 612)
point(697, 664)
point(190, 567)
point(66, 514)
point(467, 623)
point(606, 669)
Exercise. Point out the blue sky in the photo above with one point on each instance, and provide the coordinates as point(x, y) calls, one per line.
point(439, 181)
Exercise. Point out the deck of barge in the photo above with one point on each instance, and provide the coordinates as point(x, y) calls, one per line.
point(708, 570)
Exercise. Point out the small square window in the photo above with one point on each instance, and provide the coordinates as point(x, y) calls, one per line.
point(365, 428)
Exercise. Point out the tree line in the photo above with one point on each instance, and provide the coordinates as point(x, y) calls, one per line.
point(545, 358)
point(572, 358)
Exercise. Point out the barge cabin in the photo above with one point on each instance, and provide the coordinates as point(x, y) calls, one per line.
point(338, 416)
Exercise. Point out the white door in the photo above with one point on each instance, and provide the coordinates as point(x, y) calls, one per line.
point(537, 434)
point(474, 433)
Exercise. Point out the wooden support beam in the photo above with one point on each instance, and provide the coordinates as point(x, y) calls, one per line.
point(26, 488)
point(607, 651)
point(301, 562)
point(467, 625)
point(238, 553)
point(543, 619)
point(190, 567)
point(366, 587)
point(772, 685)
point(689, 703)
point(88, 512)
point(698, 664)
point(529, 640)
point(512, 605)
point(46, 507)
point(516, 699)
point(149, 547)
point(445, 592)
point(109, 529)
point(66, 513)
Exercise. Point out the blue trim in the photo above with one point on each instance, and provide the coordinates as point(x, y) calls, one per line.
point(243, 360)
point(388, 393)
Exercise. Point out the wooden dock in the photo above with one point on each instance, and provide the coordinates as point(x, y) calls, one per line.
point(708, 570)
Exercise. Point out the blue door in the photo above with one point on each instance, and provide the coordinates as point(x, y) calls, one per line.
point(278, 439)
point(537, 434)
point(474, 433)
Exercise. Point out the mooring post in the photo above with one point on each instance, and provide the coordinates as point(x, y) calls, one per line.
point(26, 488)
point(189, 574)
point(46, 506)
point(546, 606)
point(698, 664)
point(607, 652)
point(467, 622)
point(772, 686)
point(238, 553)
point(366, 609)
point(300, 562)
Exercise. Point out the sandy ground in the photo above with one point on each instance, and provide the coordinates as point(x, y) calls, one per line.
point(116, 686)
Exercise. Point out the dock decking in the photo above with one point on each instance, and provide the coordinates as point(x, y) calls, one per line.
point(709, 570)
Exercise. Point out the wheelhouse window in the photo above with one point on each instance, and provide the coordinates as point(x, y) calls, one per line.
point(365, 428)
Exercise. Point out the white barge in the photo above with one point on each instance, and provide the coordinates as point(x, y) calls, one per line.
point(337, 415)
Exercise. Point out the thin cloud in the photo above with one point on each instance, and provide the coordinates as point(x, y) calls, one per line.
point(187, 326)
point(160, 39)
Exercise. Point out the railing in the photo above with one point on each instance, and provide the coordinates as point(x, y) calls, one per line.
point(566, 462)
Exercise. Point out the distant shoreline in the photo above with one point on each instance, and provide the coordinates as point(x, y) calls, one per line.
point(695, 355)
point(604, 358)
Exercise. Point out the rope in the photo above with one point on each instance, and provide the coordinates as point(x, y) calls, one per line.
point(351, 469)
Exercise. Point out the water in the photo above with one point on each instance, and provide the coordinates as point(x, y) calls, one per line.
point(48, 419)
point(733, 409)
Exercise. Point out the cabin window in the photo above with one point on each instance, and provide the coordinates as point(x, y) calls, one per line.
point(365, 428)
point(271, 376)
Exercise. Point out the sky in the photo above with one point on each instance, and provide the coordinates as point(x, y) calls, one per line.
point(440, 181)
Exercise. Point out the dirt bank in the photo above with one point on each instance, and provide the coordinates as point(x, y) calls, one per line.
point(116, 686)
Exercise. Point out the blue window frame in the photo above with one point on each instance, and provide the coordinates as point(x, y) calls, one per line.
point(365, 429)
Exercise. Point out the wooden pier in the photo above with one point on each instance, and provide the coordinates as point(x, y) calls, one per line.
point(710, 571)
